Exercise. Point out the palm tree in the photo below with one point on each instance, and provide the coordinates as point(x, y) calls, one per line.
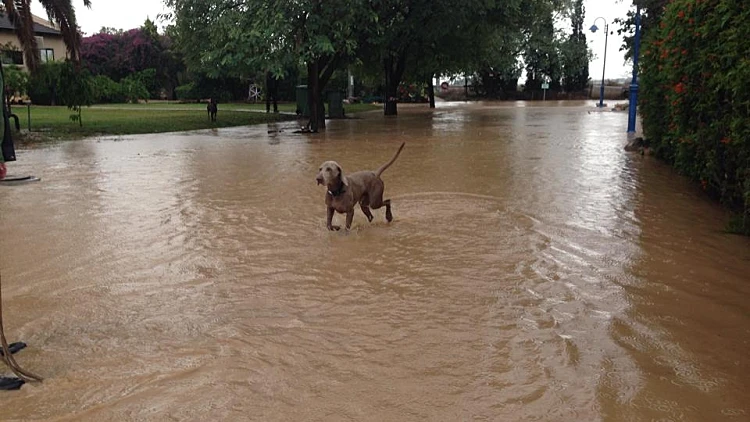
point(59, 11)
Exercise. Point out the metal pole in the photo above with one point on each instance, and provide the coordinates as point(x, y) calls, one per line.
point(604, 66)
point(28, 115)
point(632, 110)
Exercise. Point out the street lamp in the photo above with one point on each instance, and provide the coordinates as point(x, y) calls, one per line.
point(594, 28)
point(632, 109)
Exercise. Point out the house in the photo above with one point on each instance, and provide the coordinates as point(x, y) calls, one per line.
point(49, 42)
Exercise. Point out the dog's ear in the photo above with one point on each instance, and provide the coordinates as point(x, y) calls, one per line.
point(341, 175)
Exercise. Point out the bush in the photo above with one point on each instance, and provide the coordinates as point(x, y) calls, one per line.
point(16, 81)
point(148, 79)
point(105, 90)
point(223, 89)
point(187, 92)
point(695, 101)
point(133, 89)
point(44, 82)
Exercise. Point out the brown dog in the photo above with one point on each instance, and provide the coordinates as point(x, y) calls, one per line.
point(344, 192)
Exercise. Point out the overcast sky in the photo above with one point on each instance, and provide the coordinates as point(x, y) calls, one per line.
point(127, 14)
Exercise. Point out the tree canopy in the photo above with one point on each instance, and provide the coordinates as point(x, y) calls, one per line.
point(391, 38)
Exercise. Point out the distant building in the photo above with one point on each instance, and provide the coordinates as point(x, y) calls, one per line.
point(48, 38)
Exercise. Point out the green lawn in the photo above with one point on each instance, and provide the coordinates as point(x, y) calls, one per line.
point(283, 107)
point(154, 117)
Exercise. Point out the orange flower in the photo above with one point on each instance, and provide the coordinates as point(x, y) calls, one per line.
point(684, 52)
point(725, 141)
point(681, 14)
point(679, 88)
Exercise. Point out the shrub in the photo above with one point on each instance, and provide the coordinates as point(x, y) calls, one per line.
point(133, 89)
point(187, 92)
point(695, 102)
point(105, 90)
point(148, 79)
point(44, 82)
point(16, 81)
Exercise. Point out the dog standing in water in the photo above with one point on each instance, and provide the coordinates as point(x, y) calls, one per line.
point(212, 109)
point(344, 192)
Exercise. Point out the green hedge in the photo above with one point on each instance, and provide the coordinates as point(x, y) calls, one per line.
point(128, 90)
point(696, 96)
point(51, 80)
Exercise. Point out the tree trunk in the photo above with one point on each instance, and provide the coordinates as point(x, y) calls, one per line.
point(319, 72)
point(394, 70)
point(431, 91)
point(314, 97)
point(391, 108)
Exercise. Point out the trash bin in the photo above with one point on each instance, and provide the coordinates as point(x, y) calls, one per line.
point(335, 105)
point(302, 107)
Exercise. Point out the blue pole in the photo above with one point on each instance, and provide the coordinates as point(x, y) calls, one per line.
point(632, 110)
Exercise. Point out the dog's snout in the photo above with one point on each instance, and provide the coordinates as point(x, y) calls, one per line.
point(319, 179)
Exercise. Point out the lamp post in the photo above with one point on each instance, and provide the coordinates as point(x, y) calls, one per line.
point(594, 28)
point(632, 109)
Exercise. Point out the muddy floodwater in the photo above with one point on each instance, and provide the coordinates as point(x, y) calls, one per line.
point(534, 271)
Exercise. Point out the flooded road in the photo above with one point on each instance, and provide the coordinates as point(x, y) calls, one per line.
point(534, 271)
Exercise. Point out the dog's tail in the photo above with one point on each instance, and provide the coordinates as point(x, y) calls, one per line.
point(382, 168)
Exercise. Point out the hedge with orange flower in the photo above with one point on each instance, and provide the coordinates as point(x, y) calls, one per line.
point(695, 98)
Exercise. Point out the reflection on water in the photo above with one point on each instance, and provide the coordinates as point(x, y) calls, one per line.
point(534, 272)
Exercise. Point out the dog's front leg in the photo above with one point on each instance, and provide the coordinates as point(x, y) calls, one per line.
point(349, 218)
point(329, 220)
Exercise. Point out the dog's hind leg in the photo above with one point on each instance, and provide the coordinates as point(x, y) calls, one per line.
point(388, 213)
point(375, 196)
point(366, 211)
point(364, 205)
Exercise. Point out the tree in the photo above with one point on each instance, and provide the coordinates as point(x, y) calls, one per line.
point(171, 63)
point(417, 39)
point(59, 11)
point(118, 54)
point(401, 28)
point(110, 30)
point(75, 90)
point(575, 52)
point(542, 56)
point(245, 38)
point(651, 13)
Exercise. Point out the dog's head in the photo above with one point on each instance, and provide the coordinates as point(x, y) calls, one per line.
point(330, 174)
